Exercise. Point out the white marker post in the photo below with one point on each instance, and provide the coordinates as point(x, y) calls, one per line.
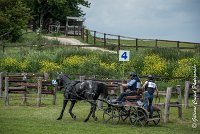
point(124, 55)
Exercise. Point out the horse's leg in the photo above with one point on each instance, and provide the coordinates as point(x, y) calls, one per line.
point(63, 109)
point(70, 109)
point(94, 110)
point(93, 106)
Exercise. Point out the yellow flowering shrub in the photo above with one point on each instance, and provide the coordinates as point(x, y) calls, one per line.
point(184, 68)
point(9, 61)
point(48, 66)
point(107, 66)
point(23, 65)
point(74, 60)
point(154, 64)
point(107, 69)
point(10, 64)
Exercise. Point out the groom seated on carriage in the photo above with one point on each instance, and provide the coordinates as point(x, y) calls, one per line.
point(130, 88)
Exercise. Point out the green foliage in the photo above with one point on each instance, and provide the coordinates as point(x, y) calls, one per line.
point(48, 66)
point(82, 61)
point(156, 65)
point(170, 53)
point(185, 68)
point(91, 65)
point(14, 16)
point(10, 64)
point(45, 11)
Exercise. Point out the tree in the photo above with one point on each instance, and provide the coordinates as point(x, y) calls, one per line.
point(45, 12)
point(14, 16)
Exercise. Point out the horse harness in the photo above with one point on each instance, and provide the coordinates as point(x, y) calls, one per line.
point(70, 89)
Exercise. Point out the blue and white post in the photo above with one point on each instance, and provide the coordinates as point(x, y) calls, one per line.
point(124, 55)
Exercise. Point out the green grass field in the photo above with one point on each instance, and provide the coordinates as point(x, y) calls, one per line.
point(20, 119)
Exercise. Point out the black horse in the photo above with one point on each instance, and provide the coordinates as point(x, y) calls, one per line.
point(76, 90)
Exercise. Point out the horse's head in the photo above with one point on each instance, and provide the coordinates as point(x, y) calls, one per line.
point(62, 80)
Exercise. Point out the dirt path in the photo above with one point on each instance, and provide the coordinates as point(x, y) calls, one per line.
point(73, 41)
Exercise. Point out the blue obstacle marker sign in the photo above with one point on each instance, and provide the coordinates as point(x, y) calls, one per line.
point(54, 82)
point(124, 55)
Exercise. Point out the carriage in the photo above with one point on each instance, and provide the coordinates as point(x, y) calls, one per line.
point(131, 109)
point(90, 91)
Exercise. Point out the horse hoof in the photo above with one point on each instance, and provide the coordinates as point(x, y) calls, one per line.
point(85, 120)
point(59, 118)
point(95, 118)
point(74, 117)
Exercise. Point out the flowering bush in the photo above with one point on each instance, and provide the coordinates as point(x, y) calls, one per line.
point(153, 64)
point(74, 60)
point(48, 66)
point(73, 64)
point(10, 64)
point(184, 67)
point(108, 69)
point(81, 61)
point(24, 65)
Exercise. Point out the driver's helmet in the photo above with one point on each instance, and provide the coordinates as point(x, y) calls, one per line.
point(150, 77)
point(133, 74)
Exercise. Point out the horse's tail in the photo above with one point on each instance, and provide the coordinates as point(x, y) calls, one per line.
point(103, 89)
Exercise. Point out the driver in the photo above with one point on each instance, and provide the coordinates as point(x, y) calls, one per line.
point(133, 85)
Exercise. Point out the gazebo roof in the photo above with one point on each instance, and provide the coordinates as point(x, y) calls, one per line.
point(76, 18)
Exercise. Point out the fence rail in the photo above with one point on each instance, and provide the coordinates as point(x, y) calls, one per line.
point(130, 42)
point(112, 41)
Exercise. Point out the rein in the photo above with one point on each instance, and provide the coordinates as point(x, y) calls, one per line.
point(80, 98)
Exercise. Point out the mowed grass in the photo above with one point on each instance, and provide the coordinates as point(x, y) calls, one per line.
point(29, 119)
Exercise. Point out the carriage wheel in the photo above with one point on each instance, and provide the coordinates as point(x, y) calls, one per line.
point(155, 119)
point(138, 116)
point(124, 114)
point(111, 114)
point(156, 115)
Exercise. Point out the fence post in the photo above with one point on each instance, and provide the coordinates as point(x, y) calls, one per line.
point(167, 104)
point(121, 89)
point(1, 84)
point(66, 30)
point(24, 98)
point(82, 33)
point(78, 30)
point(156, 41)
point(74, 28)
point(136, 44)
point(87, 34)
point(54, 94)
point(104, 39)
point(46, 76)
point(6, 91)
point(82, 78)
point(118, 47)
point(94, 37)
point(39, 93)
point(186, 95)
point(25, 93)
point(177, 44)
point(178, 88)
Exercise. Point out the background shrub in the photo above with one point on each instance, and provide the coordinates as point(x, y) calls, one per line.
point(156, 65)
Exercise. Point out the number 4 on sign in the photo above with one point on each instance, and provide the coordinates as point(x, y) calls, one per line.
point(124, 55)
